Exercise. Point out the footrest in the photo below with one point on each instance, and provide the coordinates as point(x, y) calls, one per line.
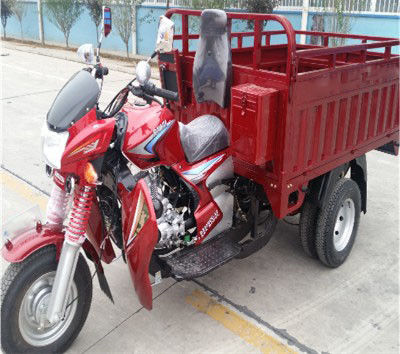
point(198, 261)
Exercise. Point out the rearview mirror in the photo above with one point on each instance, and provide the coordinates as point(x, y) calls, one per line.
point(86, 53)
point(106, 21)
point(143, 72)
point(165, 35)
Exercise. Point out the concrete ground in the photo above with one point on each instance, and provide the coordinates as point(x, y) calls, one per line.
point(277, 300)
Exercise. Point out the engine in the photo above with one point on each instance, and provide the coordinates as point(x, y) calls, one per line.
point(174, 207)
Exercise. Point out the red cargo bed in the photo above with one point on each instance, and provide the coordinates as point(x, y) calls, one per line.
point(297, 111)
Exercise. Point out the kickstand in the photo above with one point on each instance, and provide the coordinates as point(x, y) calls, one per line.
point(255, 204)
point(157, 278)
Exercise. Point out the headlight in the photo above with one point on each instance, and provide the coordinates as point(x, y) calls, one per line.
point(53, 146)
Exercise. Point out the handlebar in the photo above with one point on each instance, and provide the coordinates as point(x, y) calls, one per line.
point(153, 90)
point(146, 92)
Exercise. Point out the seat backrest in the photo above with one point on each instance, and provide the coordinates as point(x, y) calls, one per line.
point(212, 68)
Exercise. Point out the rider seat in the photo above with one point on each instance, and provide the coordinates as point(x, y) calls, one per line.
point(212, 68)
point(203, 137)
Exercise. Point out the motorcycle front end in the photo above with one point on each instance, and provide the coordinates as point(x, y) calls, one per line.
point(47, 288)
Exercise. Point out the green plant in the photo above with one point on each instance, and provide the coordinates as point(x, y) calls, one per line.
point(254, 6)
point(124, 19)
point(6, 12)
point(340, 22)
point(336, 13)
point(19, 10)
point(95, 8)
point(63, 14)
point(194, 21)
point(260, 6)
point(210, 4)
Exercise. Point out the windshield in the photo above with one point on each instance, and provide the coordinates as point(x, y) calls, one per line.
point(76, 98)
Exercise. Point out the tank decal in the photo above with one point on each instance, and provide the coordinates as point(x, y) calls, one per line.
point(196, 174)
point(164, 127)
point(146, 147)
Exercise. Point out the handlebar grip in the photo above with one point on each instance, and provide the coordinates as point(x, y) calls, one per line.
point(169, 95)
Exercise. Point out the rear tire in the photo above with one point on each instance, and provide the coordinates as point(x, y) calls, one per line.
point(338, 222)
point(308, 227)
point(32, 279)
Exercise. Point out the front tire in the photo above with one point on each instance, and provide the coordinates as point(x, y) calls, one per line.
point(25, 291)
point(338, 222)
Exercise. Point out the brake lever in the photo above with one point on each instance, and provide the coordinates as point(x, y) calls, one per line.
point(150, 98)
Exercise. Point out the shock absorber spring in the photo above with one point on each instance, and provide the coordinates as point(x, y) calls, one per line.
point(57, 206)
point(80, 214)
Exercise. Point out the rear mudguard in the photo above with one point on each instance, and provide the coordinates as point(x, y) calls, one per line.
point(28, 242)
point(140, 237)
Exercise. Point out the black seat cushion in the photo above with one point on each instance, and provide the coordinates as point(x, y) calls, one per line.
point(203, 137)
point(213, 61)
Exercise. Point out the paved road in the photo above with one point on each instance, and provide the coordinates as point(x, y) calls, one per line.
point(278, 300)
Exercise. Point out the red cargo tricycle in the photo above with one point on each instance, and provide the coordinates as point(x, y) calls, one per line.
point(243, 132)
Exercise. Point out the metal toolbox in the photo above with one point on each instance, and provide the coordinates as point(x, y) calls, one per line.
point(253, 124)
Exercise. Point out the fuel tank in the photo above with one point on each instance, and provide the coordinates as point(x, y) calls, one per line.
point(147, 125)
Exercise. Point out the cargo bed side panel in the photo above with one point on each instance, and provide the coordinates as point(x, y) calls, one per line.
point(344, 111)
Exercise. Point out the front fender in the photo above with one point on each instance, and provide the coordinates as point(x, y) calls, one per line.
point(140, 237)
point(23, 245)
point(30, 241)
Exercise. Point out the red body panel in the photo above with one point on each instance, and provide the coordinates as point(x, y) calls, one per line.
point(140, 238)
point(207, 213)
point(89, 138)
point(94, 234)
point(169, 148)
point(333, 104)
point(142, 122)
point(143, 126)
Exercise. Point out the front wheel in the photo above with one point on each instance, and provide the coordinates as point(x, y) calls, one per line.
point(25, 293)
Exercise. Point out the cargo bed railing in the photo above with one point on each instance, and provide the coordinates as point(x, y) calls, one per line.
point(257, 33)
point(333, 52)
point(294, 53)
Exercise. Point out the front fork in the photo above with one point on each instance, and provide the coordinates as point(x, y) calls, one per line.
point(74, 238)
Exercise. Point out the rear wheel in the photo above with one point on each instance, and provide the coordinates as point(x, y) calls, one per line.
point(338, 222)
point(25, 293)
point(308, 227)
